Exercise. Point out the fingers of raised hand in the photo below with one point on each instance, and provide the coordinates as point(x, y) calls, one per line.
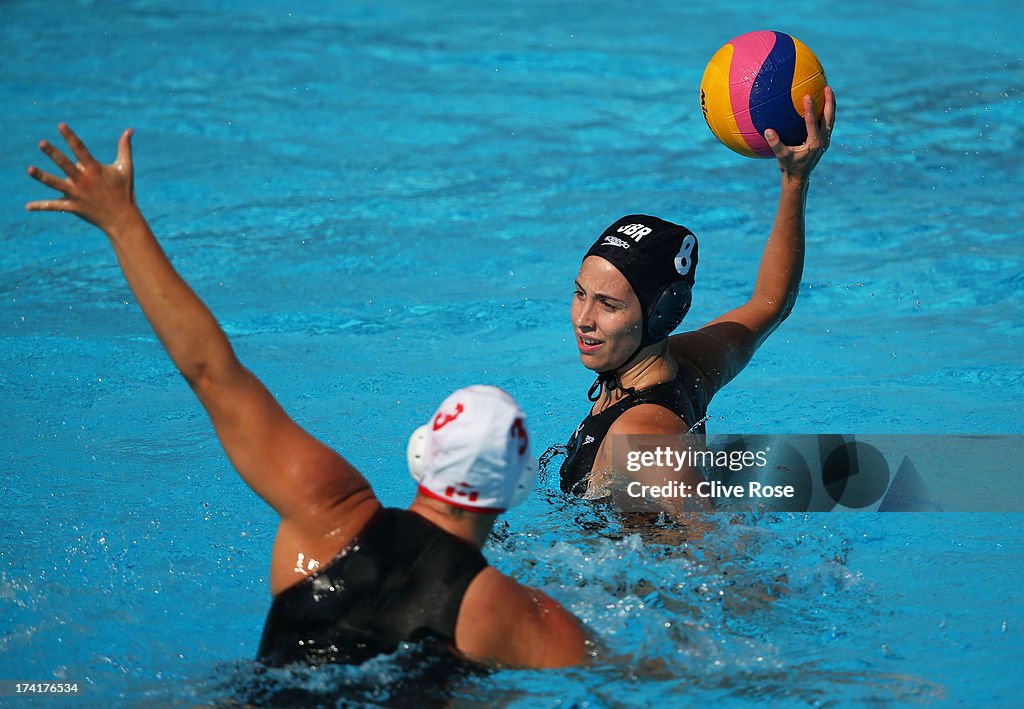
point(59, 158)
point(48, 179)
point(50, 205)
point(828, 118)
point(775, 143)
point(77, 146)
point(814, 139)
point(124, 149)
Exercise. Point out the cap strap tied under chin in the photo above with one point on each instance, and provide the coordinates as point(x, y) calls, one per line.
point(595, 389)
point(610, 381)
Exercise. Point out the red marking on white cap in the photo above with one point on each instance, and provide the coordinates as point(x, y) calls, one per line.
point(472, 495)
point(442, 419)
point(518, 431)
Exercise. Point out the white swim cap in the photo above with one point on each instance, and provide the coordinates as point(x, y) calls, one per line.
point(475, 452)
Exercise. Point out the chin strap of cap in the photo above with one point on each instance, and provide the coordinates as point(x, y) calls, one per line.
point(609, 381)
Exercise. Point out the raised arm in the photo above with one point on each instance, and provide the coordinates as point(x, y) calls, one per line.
point(297, 475)
point(723, 347)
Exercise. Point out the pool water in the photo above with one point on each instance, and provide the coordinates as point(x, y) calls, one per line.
point(382, 202)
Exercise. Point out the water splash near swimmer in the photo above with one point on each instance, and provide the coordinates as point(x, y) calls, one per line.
point(416, 674)
point(544, 463)
point(695, 429)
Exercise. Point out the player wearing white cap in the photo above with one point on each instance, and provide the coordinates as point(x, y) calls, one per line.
point(351, 579)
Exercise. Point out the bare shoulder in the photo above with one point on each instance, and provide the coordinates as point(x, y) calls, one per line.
point(503, 622)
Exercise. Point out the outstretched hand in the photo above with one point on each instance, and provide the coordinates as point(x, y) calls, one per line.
point(103, 195)
point(797, 161)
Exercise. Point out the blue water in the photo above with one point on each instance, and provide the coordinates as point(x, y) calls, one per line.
point(384, 201)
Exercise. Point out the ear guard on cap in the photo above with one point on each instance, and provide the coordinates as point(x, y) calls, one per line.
point(416, 450)
point(525, 484)
point(668, 311)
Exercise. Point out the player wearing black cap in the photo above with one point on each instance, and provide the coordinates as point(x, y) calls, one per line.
point(634, 288)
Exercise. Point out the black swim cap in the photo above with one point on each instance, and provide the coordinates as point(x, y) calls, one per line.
point(658, 259)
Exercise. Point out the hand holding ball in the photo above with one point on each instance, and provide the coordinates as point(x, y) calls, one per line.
point(756, 82)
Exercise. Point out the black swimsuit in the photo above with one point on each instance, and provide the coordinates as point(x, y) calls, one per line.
point(402, 578)
point(684, 396)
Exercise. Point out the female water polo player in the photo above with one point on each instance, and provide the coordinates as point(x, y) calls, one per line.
point(350, 579)
point(634, 288)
